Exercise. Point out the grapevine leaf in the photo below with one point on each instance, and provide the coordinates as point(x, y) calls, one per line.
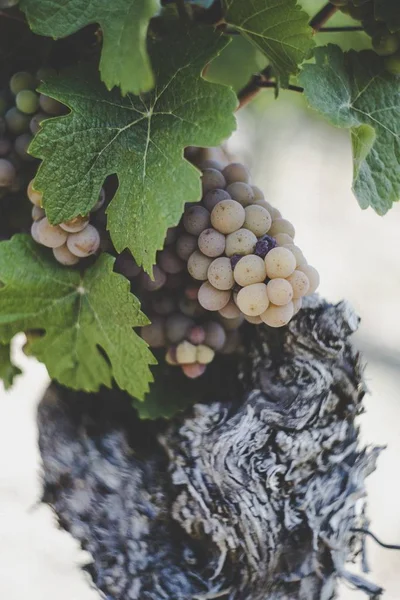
point(124, 60)
point(279, 29)
point(388, 11)
point(87, 318)
point(353, 91)
point(7, 369)
point(141, 139)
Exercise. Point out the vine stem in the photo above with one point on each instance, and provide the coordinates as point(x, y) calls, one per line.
point(258, 82)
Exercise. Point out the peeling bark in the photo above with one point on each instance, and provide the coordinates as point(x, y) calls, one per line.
point(254, 497)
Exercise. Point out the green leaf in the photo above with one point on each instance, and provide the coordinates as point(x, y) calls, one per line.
point(141, 139)
point(353, 91)
point(388, 11)
point(87, 318)
point(279, 29)
point(7, 369)
point(124, 23)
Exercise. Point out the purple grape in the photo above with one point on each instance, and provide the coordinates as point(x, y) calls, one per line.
point(235, 259)
point(264, 245)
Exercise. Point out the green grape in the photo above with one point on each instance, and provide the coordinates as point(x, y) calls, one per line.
point(16, 121)
point(360, 12)
point(22, 81)
point(21, 146)
point(385, 44)
point(392, 64)
point(27, 101)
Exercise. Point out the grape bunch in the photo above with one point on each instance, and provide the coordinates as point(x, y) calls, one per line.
point(22, 110)
point(384, 42)
point(231, 259)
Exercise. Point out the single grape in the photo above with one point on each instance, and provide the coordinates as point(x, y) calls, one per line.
point(22, 81)
point(177, 327)
point(312, 276)
point(36, 122)
point(192, 291)
point(211, 164)
point(85, 242)
point(5, 146)
point(220, 274)
point(154, 334)
point(253, 320)
point(186, 244)
point(385, 44)
point(51, 106)
point(241, 192)
point(211, 242)
point(278, 316)
point(282, 239)
point(45, 73)
point(169, 261)
point(196, 219)
point(34, 232)
point(241, 241)
point(299, 283)
point(190, 308)
point(250, 269)
point(297, 303)
point(162, 304)
point(77, 224)
point(231, 324)
point(212, 198)
point(392, 64)
point(215, 335)
point(63, 255)
point(170, 356)
point(211, 298)
point(7, 173)
point(282, 226)
point(34, 196)
point(211, 180)
point(227, 216)
point(258, 220)
point(232, 342)
point(100, 201)
point(279, 291)
point(21, 145)
point(27, 101)
point(198, 265)
point(230, 311)
point(204, 354)
point(264, 245)
point(274, 212)
point(253, 299)
point(280, 262)
point(126, 265)
point(158, 281)
point(257, 193)
point(236, 172)
point(171, 237)
point(51, 236)
point(17, 122)
point(197, 335)
point(37, 213)
point(186, 353)
point(194, 370)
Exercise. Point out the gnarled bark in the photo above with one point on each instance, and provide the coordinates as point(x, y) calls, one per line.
point(255, 497)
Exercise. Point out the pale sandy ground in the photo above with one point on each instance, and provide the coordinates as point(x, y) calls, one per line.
point(304, 167)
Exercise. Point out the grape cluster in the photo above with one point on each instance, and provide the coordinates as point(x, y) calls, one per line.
point(22, 110)
point(231, 259)
point(71, 240)
point(384, 42)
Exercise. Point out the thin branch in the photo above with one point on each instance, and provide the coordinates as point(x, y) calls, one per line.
point(340, 29)
point(323, 16)
point(377, 540)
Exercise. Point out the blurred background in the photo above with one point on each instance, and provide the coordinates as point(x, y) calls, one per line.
point(304, 167)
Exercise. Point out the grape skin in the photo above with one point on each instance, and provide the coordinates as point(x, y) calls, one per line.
point(152, 285)
point(312, 276)
point(204, 354)
point(154, 334)
point(100, 201)
point(17, 122)
point(51, 236)
point(278, 316)
point(163, 305)
point(194, 370)
point(231, 324)
point(392, 64)
point(215, 335)
point(5, 146)
point(236, 172)
point(241, 192)
point(258, 220)
point(172, 234)
point(300, 284)
point(220, 274)
point(85, 242)
point(190, 308)
point(253, 299)
point(177, 327)
point(211, 298)
point(126, 265)
point(64, 256)
point(21, 81)
point(37, 213)
point(282, 226)
point(74, 225)
point(211, 199)
point(50, 106)
point(7, 173)
point(280, 262)
point(257, 193)
point(280, 291)
point(211, 243)
point(211, 164)
point(283, 239)
point(197, 335)
point(385, 44)
point(241, 241)
point(36, 122)
point(297, 304)
point(250, 269)
point(186, 353)
point(253, 320)
point(27, 102)
point(34, 196)
point(186, 244)
point(196, 219)
point(34, 231)
point(230, 311)
point(211, 180)
point(21, 145)
point(227, 216)
point(198, 265)
point(170, 262)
